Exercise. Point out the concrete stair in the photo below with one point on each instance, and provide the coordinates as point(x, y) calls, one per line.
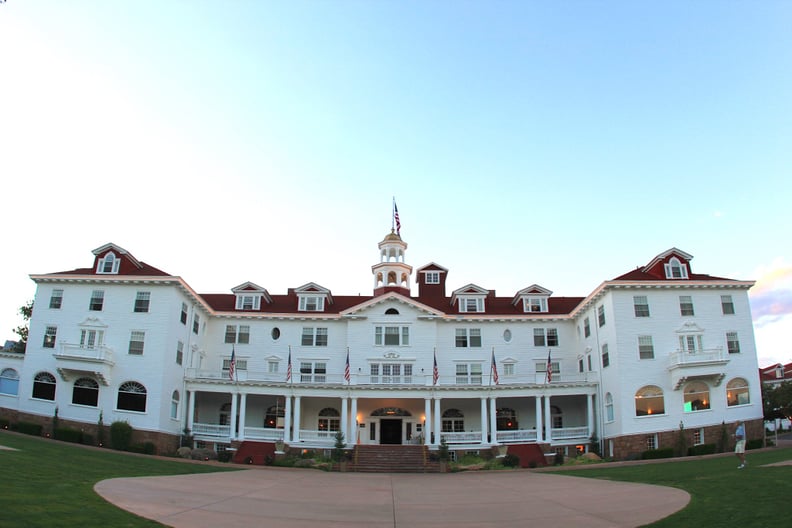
point(392, 459)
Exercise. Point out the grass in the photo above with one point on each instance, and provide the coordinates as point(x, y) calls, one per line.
point(721, 494)
point(49, 483)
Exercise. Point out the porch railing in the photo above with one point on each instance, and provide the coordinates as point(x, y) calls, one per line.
point(514, 436)
point(319, 437)
point(569, 433)
point(263, 433)
point(681, 358)
point(472, 437)
point(211, 430)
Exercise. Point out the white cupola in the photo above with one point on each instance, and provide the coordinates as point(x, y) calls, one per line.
point(392, 273)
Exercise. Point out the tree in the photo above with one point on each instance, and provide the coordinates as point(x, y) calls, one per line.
point(777, 400)
point(22, 331)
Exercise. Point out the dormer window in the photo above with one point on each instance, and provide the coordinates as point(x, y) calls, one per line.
point(471, 304)
point(109, 264)
point(535, 304)
point(432, 277)
point(311, 303)
point(248, 302)
point(674, 269)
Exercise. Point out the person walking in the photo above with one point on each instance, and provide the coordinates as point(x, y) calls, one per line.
point(739, 443)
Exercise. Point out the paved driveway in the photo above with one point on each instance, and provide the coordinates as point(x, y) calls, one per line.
point(292, 498)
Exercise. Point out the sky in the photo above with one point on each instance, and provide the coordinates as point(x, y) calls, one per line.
point(552, 143)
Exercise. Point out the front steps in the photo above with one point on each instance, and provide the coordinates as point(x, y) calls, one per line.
point(392, 459)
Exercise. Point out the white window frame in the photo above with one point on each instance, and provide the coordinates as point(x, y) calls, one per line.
point(96, 304)
point(311, 303)
point(248, 302)
point(535, 304)
point(108, 265)
point(314, 336)
point(432, 277)
point(142, 302)
point(385, 333)
point(641, 306)
point(469, 373)
point(179, 352)
point(645, 347)
point(732, 343)
point(137, 342)
point(601, 315)
point(467, 338)
point(674, 269)
point(686, 308)
point(90, 338)
point(313, 371)
point(727, 305)
point(471, 304)
point(50, 336)
point(56, 299)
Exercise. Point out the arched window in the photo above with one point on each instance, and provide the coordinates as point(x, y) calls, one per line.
point(329, 421)
point(9, 382)
point(175, 405)
point(649, 401)
point(609, 407)
point(85, 392)
point(131, 397)
point(674, 269)
point(391, 311)
point(44, 386)
point(453, 421)
point(506, 419)
point(737, 392)
point(557, 417)
point(697, 396)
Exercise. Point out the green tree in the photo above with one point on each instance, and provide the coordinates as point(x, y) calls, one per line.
point(777, 400)
point(22, 331)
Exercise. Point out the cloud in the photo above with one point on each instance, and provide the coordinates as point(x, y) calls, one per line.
point(771, 296)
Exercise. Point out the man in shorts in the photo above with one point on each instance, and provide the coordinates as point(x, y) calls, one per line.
point(739, 444)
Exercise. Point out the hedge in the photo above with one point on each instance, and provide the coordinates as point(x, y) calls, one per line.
point(67, 434)
point(702, 449)
point(666, 452)
point(29, 428)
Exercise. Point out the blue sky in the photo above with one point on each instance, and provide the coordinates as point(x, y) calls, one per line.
point(557, 143)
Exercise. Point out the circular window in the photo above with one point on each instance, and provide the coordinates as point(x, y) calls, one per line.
point(507, 335)
point(276, 333)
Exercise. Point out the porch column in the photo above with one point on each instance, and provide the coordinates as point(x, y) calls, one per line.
point(353, 424)
point(539, 435)
point(483, 420)
point(242, 409)
point(548, 420)
point(233, 420)
point(345, 418)
point(296, 427)
point(493, 421)
point(190, 410)
point(427, 430)
point(590, 416)
point(287, 421)
point(436, 418)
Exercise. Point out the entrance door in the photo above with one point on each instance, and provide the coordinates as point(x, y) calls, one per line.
point(390, 431)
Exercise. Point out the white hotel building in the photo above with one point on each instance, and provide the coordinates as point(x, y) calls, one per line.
point(654, 347)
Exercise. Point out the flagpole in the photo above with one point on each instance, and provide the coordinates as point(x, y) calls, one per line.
point(492, 361)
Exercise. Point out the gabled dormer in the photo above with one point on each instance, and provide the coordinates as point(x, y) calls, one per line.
point(113, 260)
point(532, 299)
point(312, 298)
point(431, 280)
point(249, 296)
point(672, 264)
point(470, 299)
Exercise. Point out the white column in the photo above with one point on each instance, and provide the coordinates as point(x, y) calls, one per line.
point(287, 420)
point(345, 418)
point(548, 420)
point(233, 419)
point(539, 435)
point(590, 417)
point(296, 427)
point(436, 419)
point(493, 421)
point(353, 424)
point(427, 432)
point(483, 420)
point(190, 410)
point(242, 410)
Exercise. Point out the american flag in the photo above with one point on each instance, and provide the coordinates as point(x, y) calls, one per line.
point(396, 218)
point(232, 365)
point(435, 372)
point(346, 368)
point(288, 367)
point(549, 368)
point(494, 368)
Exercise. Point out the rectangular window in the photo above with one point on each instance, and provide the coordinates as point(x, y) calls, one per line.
point(392, 335)
point(91, 338)
point(544, 337)
point(239, 364)
point(732, 343)
point(686, 305)
point(727, 305)
point(248, 302)
point(432, 277)
point(234, 334)
point(49, 337)
point(136, 340)
point(552, 337)
point(698, 437)
point(645, 347)
point(471, 304)
point(605, 356)
point(601, 316)
point(313, 372)
point(230, 334)
point(196, 323)
point(97, 301)
point(541, 367)
point(56, 299)
point(651, 442)
point(586, 327)
point(179, 353)
point(535, 304)
point(468, 337)
point(183, 316)
point(641, 306)
point(539, 337)
point(244, 334)
point(468, 373)
point(311, 304)
point(314, 337)
point(508, 369)
point(142, 301)
point(273, 366)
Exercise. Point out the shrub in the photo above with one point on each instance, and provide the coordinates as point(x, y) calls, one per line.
point(756, 443)
point(68, 434)
point(4, 424)
point(442, 451)
point(100, 430)
point(224, 456)
point(120, 436)
point(703, 449)
point(558, 460)
point(87, 439)
point(666, 452)
point(511, 460)
point(203, 454)
point(29, 428)
point(146, 448)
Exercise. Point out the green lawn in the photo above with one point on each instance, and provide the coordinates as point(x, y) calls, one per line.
point(48, 483)
point(721, 494)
